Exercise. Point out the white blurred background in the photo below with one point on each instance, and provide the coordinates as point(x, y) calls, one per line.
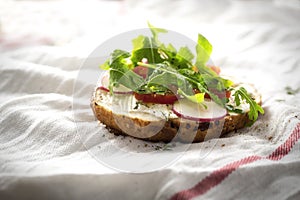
point(85, 24)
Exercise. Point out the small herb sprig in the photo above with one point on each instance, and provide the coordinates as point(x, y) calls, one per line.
point(242, 94)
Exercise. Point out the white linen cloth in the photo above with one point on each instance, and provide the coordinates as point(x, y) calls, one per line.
point(47, 154)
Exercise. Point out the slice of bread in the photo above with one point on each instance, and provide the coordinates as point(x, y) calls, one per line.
point(118, 113)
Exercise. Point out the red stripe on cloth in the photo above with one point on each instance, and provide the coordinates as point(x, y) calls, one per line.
point(216, 177)
point(213, 179)
point(286, 147)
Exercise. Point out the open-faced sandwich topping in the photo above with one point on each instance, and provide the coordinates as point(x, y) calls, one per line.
point(158, 73)
point(157, 81)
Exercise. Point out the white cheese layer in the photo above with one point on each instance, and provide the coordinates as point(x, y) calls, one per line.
point(126, 104)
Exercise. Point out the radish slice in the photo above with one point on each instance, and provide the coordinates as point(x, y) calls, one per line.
point(103, 88)
point(121, 89)
point(192, 111)
point(105, 80)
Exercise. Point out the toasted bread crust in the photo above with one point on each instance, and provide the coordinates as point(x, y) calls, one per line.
point(174, 129)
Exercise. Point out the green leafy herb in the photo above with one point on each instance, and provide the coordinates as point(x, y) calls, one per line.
point(105, 65)
point(121, 73)
point(184, 82)
point(168, 68)
point(170, 48)
point(148, 49)
point(163, 74)
point(240, 94)
point(231, 108)
point(138, 43)
point(203, 49)
point(196, 98)
point(155, 31)
point(186, 54)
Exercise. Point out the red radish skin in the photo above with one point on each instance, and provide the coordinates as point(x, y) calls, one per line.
point(221, 115)
point(103, 88)
point(197, 119)
point(118, 92)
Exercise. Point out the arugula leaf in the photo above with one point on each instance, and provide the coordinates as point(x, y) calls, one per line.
point(145, 48)
point(185, 82)
point(118, 55)
point(138, 42)
point(129, 79)
point(193, 76)
point(179, 60)
point(242, 94)
point(197, 98)
point(165, 75)
point(151, 54)
point(167, 52)
point(203, 49)
point(121, 71)
point(162, 78)
point(155, 31)
point(186, 53)
point(115, 57)
point(231, 108)
point(218, 83)
point(171, 48)
point(150, 88)
point(156, 52)
point(227, 83)
point(105, 65)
